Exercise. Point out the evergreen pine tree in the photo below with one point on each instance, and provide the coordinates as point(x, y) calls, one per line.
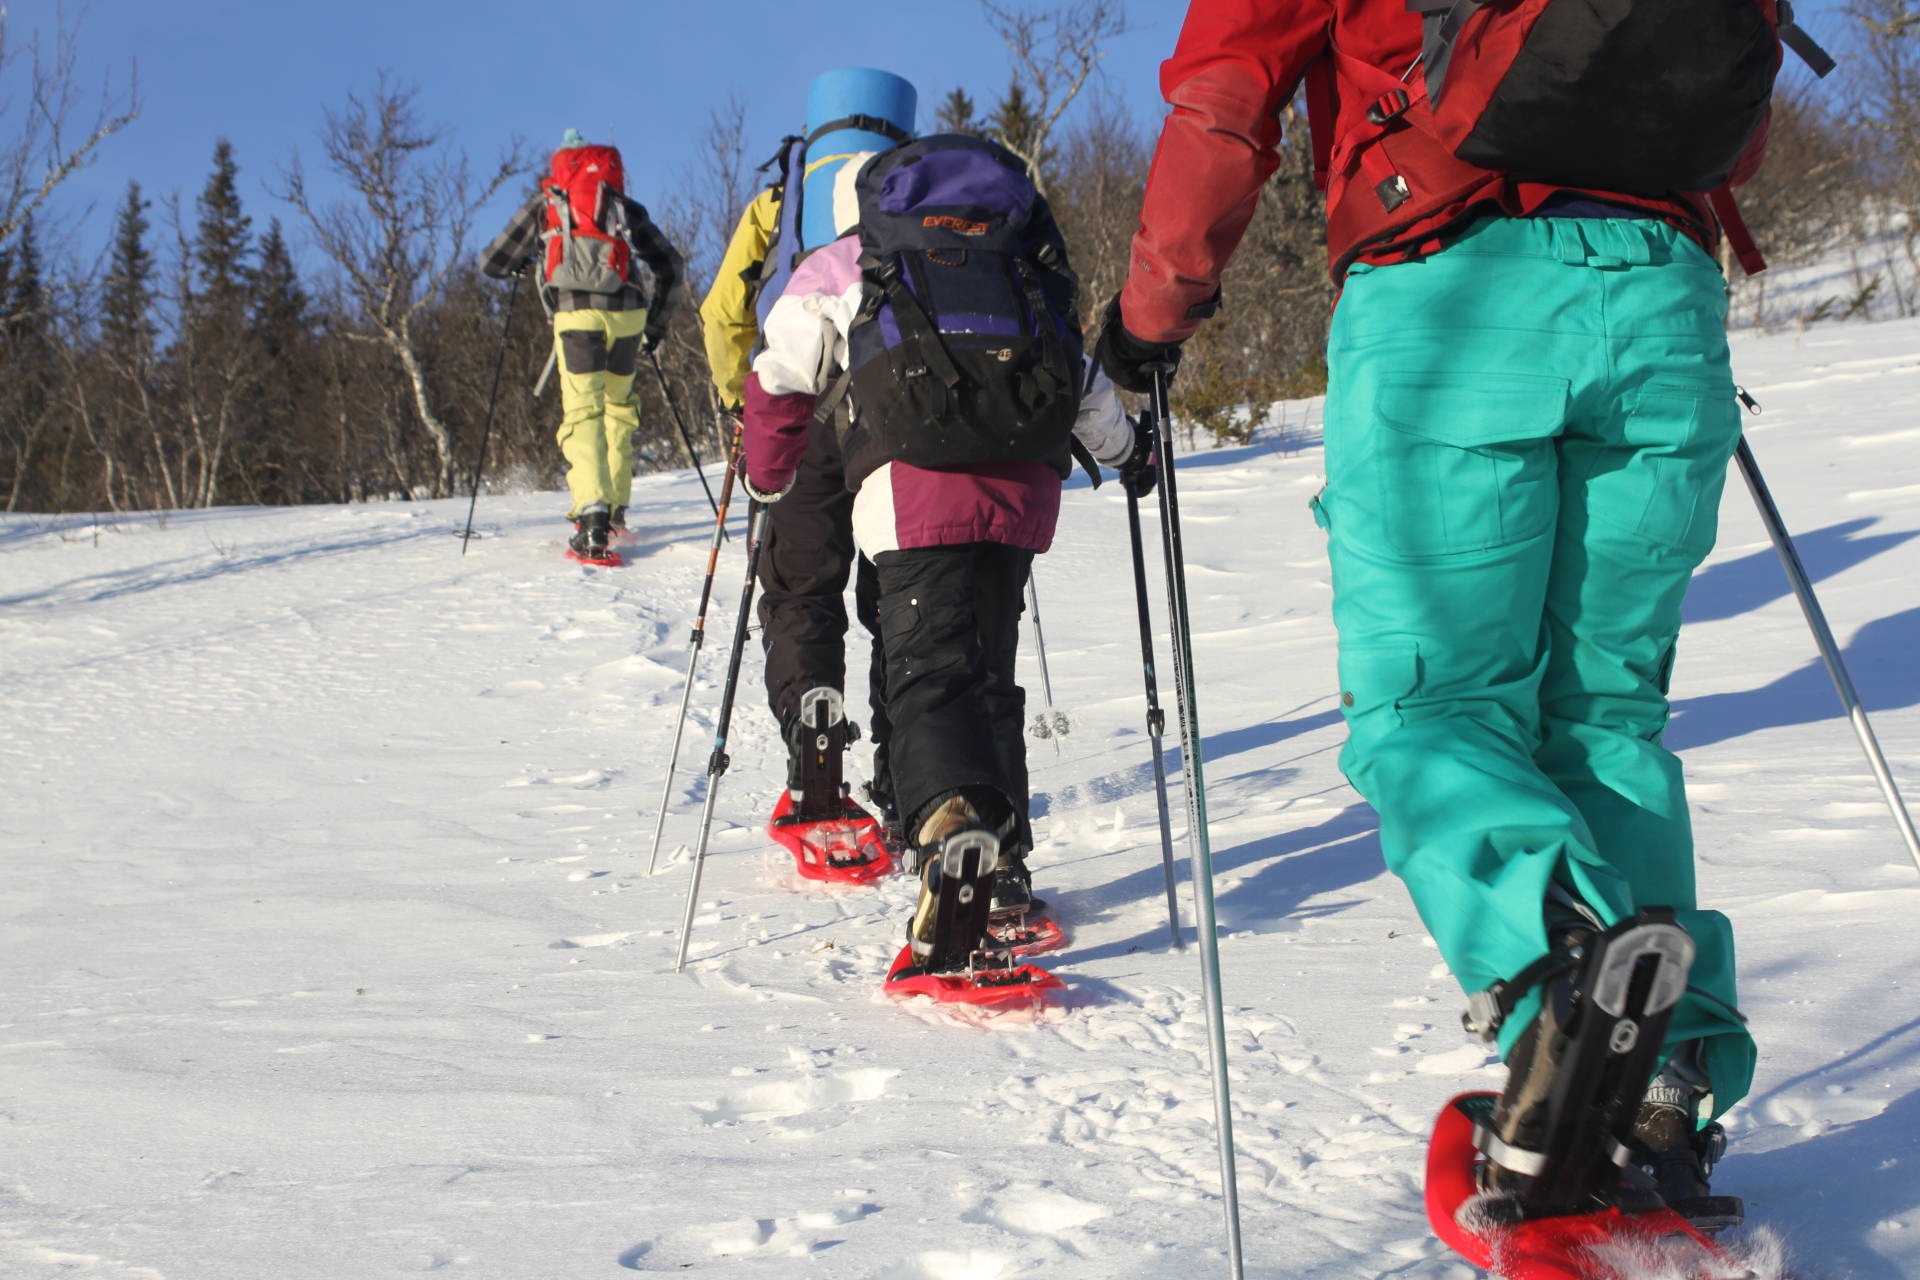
point(955, 114)
point(1016, 126)
point(221, 242)
point(280, 306)
point(26, 309)
point(126, 313)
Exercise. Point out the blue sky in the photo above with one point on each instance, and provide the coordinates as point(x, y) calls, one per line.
point(649, 72)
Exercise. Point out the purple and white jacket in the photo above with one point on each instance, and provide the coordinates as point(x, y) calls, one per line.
point(898, 507)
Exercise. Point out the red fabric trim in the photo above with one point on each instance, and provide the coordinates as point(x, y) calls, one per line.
point(1727, 209)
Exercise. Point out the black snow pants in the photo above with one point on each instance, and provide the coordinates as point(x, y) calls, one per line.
point(804, 564)
point(950, 624)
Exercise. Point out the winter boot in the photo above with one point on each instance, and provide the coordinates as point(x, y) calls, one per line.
point(1012, 888)
point(1675, 1153)
point(1557, 1138)
point(817, 741)
point(617, 529)
point(590, 532)
point(958, 854)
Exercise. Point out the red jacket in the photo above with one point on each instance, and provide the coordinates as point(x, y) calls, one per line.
point(1238, 63)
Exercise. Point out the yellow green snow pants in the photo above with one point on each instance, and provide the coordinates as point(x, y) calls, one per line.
point(597, 353)
point(1526, 438)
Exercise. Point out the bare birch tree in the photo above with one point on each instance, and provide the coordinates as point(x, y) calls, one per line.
point(40, 102)
point(1055, 51)
point(404, 228)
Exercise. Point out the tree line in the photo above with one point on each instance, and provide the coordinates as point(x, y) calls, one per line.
point(193, 362)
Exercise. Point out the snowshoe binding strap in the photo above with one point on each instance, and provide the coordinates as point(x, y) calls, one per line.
point(1560, 1139)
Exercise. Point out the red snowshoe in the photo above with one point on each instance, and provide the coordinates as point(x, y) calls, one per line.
point(1607, 1245)
point(1034, 933)
point(951, 955)
point(1529, 1184)
point(588, 545)
point(831, 838)
point(994, 982)
point(836, 850)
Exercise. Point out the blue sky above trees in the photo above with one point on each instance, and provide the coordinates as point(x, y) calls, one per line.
point(262, 75)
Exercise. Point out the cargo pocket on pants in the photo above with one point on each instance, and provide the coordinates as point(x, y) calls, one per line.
point(1679, 438)
point(1465, 460)
point(1375, 675)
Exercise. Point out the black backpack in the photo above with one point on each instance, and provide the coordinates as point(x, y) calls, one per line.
point(967, 346)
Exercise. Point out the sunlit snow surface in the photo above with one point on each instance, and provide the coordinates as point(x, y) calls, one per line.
point(328, 950)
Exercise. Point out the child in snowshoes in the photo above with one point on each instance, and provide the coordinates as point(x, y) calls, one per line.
point(583, 234)
point(956, 442)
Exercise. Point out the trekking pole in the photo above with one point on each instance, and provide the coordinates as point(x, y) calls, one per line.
point(1053, 724)
point(680, 422)
point(1156, 718)
point(694, 643)
point(486, 431)
point(1199, 847)
point(717, 762)
point(1823, 636)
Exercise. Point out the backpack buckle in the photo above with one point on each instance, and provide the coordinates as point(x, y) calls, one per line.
point(1388, 107)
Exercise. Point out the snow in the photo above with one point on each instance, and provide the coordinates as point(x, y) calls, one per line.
point(328, 949)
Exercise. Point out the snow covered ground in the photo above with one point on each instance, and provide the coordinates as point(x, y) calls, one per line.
point(328, 949)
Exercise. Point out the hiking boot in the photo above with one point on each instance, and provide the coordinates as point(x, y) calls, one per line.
point(1012, 888)
point(1675, 1153)
point(590, 532)
point(617, 524)
point(1558, 1137)
point(956, 874)
point(1522, 1116)
point(955, 813)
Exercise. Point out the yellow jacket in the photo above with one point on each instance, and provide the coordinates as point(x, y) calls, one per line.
point(727, 316)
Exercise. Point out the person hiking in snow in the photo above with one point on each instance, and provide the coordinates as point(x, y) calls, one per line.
point(955, 442)
point(1529, 417)
point(583, 232)
point(809, 552)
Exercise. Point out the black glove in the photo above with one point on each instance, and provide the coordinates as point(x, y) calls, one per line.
point(1126, 359)
point(650, 341)
point(1141, 471)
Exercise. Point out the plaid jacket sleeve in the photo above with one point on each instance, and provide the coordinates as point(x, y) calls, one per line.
point(662, 259)
point(520, 242)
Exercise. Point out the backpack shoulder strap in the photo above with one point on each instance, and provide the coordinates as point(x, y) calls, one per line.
point(1734, 228)
point(1323, 108)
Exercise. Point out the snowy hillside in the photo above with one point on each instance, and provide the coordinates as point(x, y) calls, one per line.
point(327, 949)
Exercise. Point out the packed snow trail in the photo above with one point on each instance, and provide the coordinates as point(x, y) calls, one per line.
point(327, 949)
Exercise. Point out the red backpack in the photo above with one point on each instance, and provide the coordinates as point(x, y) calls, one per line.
point(1644, 98)
point(588, 249)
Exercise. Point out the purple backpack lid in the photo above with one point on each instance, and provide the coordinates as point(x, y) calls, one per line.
point(968, 180)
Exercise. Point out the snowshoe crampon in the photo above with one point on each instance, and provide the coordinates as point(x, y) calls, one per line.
point(990, 980)
point(1607, 1245)
point(843, 850)
point(1031, 934)
point(609, 559)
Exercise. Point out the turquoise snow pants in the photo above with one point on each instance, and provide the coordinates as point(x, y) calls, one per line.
point(1527, 434)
